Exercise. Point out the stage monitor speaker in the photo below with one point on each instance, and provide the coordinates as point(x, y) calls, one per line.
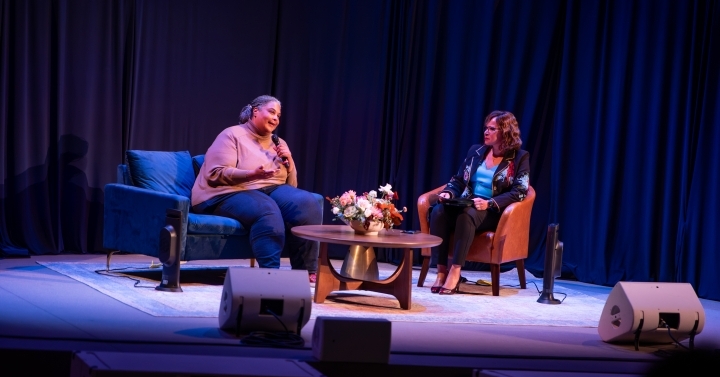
point(263, 299)
point(352, 340)
point(641, 311)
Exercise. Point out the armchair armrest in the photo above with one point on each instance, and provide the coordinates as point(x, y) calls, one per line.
point(424, 203)
point(134, 216)
point(513, 231)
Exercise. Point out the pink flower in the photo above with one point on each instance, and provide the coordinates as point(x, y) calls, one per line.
point(347, 198)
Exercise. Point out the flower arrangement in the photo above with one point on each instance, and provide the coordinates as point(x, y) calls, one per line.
point(368, 207)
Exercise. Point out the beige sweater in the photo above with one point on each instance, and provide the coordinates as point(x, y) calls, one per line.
point(234, 155)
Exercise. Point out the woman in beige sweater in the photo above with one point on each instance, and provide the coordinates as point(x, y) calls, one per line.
point(247, 177)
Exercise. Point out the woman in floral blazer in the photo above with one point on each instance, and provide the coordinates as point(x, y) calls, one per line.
point(494, 175)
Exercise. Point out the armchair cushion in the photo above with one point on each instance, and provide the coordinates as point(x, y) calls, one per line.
point(211, 224)
point(168, 172)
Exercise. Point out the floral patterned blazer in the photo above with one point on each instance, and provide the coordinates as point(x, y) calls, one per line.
point(510, 181)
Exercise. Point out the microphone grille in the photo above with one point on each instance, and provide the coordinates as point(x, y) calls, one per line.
point(275, 139)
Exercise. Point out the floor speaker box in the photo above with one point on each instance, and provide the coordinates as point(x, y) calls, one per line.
point(264, 299)
point(352, 340)
point(644, 311)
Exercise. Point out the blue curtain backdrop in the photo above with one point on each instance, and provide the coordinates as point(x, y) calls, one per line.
point(618, 103)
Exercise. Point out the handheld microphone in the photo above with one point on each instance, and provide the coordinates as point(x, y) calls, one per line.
point(276, 140)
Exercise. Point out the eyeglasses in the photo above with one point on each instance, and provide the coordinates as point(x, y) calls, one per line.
point(491, 129)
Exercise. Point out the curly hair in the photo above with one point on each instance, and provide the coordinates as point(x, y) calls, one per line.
point(508, 129)
point(246, 112)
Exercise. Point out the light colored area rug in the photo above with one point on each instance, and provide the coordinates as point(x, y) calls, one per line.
point(514, 306)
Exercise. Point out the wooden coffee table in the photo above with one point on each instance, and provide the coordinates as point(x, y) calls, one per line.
point(328, 279)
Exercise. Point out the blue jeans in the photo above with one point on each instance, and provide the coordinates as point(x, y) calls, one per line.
point(269, 213)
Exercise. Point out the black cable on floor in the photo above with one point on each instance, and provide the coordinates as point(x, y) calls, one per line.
point(137, 281)
point(540, 292)
point(284, 339)
point(662, 322)
point(273, 339)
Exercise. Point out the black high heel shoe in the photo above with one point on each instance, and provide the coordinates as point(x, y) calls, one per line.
point(445, 291)
point(436, 288)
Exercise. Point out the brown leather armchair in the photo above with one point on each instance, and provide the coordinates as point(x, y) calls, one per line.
point(509, 242)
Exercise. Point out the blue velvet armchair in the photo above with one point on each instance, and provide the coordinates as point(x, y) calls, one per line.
point(135, 209)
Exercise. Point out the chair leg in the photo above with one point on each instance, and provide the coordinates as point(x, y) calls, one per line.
point(107, 264)
point(423, 271)
point(252, 262)
point(495, 278)
point(520, 263)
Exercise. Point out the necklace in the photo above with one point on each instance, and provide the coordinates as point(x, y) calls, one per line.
point(492, 161)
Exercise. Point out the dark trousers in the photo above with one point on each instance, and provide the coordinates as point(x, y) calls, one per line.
point(269, 214)
point(465, 222)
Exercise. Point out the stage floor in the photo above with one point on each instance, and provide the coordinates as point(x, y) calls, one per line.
point(46, 317)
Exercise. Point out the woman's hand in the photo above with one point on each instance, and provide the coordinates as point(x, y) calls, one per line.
point(282, 150)
point(261, 173)
point(480, 204)
point(439, 198)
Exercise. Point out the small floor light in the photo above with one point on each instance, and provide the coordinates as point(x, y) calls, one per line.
point(553, 265)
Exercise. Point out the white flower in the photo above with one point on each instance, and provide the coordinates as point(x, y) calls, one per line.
point(335, 210)
point(386, 189)
point(372, 194)
point(363, 203)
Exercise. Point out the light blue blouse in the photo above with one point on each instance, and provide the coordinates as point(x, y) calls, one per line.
point(482, 181)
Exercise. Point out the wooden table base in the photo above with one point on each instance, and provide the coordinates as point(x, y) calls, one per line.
point(398, 284)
